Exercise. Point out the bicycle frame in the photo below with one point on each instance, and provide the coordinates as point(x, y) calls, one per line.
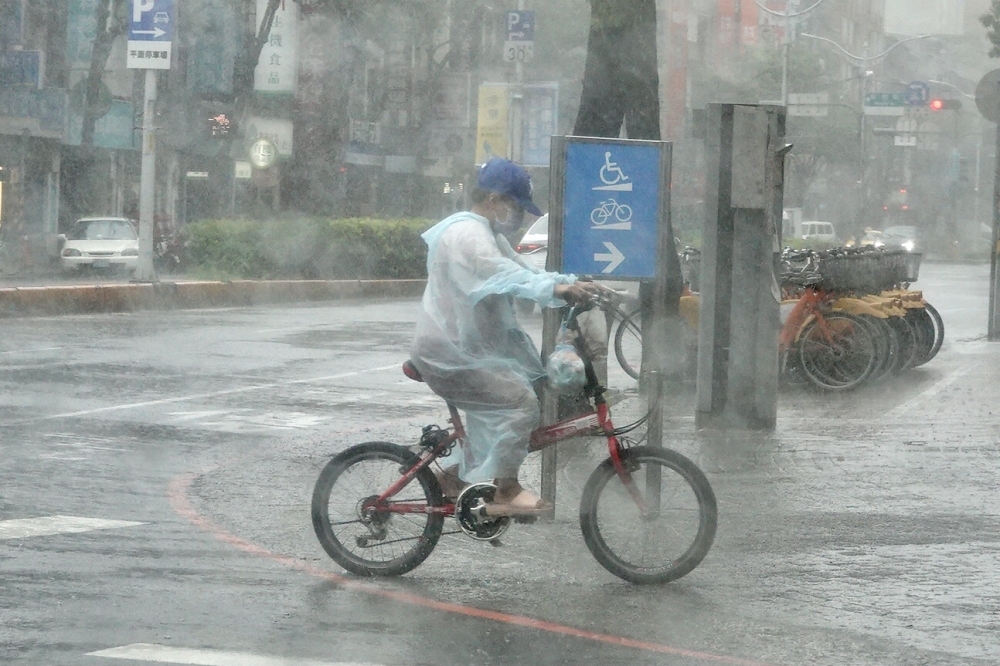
point(808, 305)
point(596, 422)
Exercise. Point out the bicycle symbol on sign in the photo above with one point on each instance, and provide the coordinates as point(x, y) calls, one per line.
point(608, 209)
point(613, 177)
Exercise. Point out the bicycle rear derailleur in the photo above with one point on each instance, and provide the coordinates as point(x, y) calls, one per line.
point(470, 512)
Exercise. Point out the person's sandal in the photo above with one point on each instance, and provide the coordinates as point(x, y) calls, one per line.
point(525, 504)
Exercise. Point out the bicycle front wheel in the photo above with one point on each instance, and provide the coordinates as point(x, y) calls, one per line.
point(628, 344)
point(909, 344)
point(371, 541)
point(938, 330)
point(655, 525)
point(11, 261)
point(837, 353)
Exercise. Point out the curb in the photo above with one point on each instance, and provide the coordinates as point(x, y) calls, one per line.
point(75, 299)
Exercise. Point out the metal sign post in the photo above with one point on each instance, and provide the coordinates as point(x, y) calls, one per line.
point(988, 103)
point(518, 48)
point(993, 328)
point(610, 218)
point(150, 35)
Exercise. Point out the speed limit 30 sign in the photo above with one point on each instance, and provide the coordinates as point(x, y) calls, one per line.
point(519, 39)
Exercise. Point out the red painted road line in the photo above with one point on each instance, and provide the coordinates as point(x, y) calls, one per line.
point(177, 493)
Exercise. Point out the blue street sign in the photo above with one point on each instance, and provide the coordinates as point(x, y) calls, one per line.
point(917, 93)
point(151, 21)
point(520, 26)
point(21, 68)
point(611, 210)
point(150, 34)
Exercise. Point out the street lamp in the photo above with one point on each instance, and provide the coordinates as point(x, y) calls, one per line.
point(952, 85)
point(864, 61)
point(786, 47)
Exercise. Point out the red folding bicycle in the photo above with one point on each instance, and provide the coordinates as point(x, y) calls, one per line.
point(648, 514)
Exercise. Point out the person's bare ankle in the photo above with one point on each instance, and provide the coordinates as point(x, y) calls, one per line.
point(507, 489)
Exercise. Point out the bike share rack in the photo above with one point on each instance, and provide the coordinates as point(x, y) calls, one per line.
point(609, 219)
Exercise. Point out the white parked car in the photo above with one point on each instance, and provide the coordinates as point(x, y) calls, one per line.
point(101, 242)
point(814, 230)
point(534, 245)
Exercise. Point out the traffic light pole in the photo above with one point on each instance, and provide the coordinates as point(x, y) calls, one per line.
point(147, 181)
point(993, 330)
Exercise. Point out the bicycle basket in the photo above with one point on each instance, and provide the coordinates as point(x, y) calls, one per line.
point(850, 272)
point(863, 271)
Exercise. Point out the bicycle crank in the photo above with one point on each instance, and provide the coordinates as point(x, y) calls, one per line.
point(470, 512)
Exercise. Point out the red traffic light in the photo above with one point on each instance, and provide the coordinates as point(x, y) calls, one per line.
point(938, 104)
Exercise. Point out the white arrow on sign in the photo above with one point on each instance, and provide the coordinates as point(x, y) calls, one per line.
point(614, 257)
point(155, 32)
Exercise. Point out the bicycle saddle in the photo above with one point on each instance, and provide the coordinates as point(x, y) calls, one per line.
point(411, 371)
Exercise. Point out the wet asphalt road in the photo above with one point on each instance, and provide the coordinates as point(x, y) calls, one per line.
point(864, 531)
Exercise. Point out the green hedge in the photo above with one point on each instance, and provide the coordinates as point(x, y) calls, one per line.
point(312, 248)
point(810, 244)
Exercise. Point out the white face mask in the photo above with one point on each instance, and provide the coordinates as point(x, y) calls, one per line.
point(512, 222)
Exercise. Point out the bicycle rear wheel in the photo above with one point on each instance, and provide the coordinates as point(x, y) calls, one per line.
point(666, 540)
point(368, 541)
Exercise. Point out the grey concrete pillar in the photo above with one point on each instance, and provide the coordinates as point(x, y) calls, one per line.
point(739, 321)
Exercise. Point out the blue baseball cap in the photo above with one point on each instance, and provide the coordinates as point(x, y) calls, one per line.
point(506, 178)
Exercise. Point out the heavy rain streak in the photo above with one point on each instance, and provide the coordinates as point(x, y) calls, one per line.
point(468, 333)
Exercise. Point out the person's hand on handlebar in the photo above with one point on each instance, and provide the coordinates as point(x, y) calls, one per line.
point(579, 292)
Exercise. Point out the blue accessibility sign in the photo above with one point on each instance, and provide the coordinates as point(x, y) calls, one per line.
point(151, 21)
point(611, 209)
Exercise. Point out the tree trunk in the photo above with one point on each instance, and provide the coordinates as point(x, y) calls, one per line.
point(620, 79)
point(106, 35)
point(246, 63)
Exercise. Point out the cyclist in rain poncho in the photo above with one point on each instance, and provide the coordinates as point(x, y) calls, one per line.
point(469, 347)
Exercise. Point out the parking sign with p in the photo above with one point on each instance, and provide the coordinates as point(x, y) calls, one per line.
point(519, 35)
point(150, 34)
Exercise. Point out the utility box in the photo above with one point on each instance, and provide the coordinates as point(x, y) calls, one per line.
point(739, 322)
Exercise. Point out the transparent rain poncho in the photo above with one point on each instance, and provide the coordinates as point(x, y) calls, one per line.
point(470, 348)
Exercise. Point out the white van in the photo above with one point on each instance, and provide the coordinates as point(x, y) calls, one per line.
point(813, 230)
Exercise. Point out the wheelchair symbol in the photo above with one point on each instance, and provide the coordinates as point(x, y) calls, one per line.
point(613, 177)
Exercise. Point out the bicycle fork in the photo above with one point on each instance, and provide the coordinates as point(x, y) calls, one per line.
point(623, 468)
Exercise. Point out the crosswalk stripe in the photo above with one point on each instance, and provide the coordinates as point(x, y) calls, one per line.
point(165, 654)
point(20, 528)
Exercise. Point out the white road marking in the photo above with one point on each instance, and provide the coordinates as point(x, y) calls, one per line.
point(30, 351)
point(929, 392)
point(204, 396)
point(165, 654)
point(198, 415)
point(48, 525)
